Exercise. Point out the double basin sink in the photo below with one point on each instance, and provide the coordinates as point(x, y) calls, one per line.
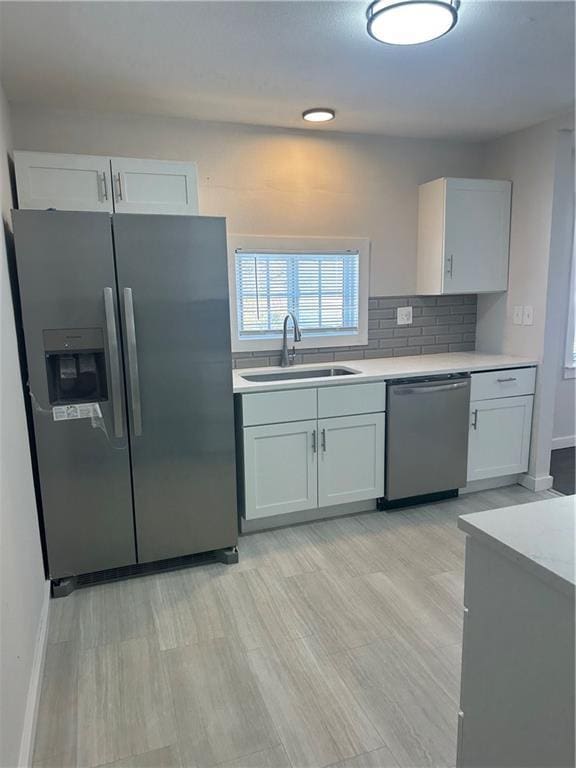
point(305, 373)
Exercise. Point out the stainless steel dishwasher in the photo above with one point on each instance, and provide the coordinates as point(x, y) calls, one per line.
point(426, 437)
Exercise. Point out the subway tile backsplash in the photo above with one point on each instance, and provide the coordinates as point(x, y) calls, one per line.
point(439, 324)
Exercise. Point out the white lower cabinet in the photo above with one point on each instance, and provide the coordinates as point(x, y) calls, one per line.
point(294, 461)
point(280, 468)
point(499, 441)
point(350, 459)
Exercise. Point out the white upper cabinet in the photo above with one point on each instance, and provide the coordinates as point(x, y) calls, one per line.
point(463, 236)
point(64, 182)
point(154, 186)
point(93, 183)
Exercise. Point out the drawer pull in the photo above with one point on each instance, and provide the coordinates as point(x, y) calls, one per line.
point(508, 378)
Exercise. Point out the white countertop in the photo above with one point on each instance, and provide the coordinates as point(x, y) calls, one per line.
point(382, 368)
point(540, 536)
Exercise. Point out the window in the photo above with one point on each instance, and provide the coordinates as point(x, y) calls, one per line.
point(322, 281)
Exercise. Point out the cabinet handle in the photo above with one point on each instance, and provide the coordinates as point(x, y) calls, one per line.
point(450, 270)
point(313, 441)
point(104, 185)
point(475, 419)
point(324, 440)
point(508, 378)
point(118, 186)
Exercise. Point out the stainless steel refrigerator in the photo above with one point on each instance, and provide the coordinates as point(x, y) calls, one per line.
point(127, 335)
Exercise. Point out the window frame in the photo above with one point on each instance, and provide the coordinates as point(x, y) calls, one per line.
point(280, 244)
point(569, 356)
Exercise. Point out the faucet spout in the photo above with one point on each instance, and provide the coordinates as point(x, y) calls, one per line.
point(287, 357)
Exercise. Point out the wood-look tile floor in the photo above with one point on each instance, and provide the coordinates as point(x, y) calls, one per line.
point(330, 644)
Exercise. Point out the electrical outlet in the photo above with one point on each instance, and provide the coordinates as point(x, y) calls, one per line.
point(404, 316)
point(528, 315)
point(518, 314)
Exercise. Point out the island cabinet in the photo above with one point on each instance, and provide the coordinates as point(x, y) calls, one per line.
point(307, 448)
point(463, 236)
point(517, 685)
point(110, 184)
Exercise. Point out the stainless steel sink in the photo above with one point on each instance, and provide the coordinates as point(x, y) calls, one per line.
point(305, 373)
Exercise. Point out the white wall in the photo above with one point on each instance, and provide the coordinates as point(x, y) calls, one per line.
point(564, 431)
point(22, 584)
point(538, 160)
point(274, 181)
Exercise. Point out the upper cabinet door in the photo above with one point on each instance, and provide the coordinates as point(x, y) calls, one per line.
point(154, 186)
point(463, 236)
point(476, 236)
point(63, 182)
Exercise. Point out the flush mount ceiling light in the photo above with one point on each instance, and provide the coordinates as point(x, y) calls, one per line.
point(410, 22)
point(319, 115)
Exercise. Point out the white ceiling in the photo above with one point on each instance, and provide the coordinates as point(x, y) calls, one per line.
point(506, 65)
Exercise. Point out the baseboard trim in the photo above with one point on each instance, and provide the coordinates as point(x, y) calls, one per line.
point(309, 516)
point(542, 483)
point(568, 441)
point(35, 685)
point(489, 483)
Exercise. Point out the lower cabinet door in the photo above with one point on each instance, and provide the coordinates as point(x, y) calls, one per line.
point(499, 442)
point(350, 459)
point(280, 469)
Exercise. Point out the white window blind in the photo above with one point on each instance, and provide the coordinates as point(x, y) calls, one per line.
point(322, 290)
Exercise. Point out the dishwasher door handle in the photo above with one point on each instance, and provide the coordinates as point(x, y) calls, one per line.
point(425, 389)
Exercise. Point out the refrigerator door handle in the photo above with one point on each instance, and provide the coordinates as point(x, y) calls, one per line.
point(132, 361)
point(116, 384)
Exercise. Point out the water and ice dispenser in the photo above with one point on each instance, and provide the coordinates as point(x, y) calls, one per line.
point(75, 366)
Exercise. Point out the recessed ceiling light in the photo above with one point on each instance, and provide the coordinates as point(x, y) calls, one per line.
point(410, 22)
point(319, 115)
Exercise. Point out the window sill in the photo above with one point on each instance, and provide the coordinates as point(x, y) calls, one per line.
point(308, 342)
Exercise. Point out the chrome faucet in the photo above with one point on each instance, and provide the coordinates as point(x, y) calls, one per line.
point(288, 357)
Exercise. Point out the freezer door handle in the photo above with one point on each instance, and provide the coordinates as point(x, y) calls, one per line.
point(132, 361)
point(115, 381)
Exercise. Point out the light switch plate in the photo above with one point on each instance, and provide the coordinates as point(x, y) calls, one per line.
point(528, 314)
point(518, 314)
point(404, 316)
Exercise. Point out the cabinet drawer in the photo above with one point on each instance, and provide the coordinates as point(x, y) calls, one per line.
point(278, 407)
point(506, 383)
point(351, 399)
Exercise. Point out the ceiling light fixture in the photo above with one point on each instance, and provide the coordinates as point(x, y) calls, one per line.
point(319, 115)
point(410, 22)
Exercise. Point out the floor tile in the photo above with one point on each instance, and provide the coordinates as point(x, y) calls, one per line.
point(56, 727)
point(219, 710)
point(124, 702)
point(262, 609)
point(268, 758)
point(414, 715)
point(380, 758)
point(111, 613)
point(168, 757)
point(187, 607)
point(331, 609)
point(318, 719)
